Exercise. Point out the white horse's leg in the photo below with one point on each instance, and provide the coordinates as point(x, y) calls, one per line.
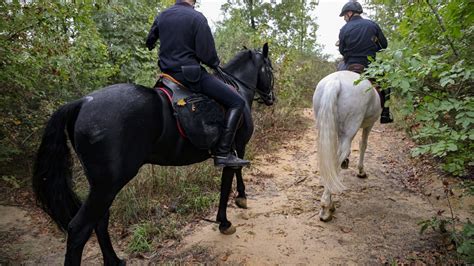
point(344, 151)
point(327, 206)
point(362, 148)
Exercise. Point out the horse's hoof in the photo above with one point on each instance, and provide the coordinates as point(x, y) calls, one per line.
point(345, 164)
point(325, 215)
point(228, 231)
point(364, 175)
point(241, 203)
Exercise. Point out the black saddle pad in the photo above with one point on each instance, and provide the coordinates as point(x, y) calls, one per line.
point(200, 117)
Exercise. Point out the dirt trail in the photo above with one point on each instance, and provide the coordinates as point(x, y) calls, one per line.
point(375, 221)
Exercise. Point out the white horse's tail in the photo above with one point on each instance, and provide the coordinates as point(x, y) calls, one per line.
point(327, 123)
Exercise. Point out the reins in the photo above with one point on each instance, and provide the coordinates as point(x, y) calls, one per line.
point(233, 80)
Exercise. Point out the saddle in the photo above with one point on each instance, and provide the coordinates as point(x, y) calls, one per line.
point(199, 118)
point(357, 68)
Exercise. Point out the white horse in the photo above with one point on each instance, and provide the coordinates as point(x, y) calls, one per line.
point(340, 109)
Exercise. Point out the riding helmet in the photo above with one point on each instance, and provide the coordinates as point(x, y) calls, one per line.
point(353, 6)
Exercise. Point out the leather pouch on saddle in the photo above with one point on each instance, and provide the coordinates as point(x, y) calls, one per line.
point(200, 117)
point(192, 74)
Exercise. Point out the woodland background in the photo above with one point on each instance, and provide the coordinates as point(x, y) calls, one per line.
point(52, 52)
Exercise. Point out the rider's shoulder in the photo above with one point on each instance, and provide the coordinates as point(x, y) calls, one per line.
point(184, 12)
point(368, 22)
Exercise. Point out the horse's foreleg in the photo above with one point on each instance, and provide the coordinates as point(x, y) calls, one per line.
point(241, 200)
point(362, 148)
point(102, 232)
point(225, 226)
point(327, 206)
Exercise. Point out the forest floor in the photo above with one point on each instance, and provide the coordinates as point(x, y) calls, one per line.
point(376, 220)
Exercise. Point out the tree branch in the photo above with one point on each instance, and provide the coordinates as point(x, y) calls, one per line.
point(441, 24)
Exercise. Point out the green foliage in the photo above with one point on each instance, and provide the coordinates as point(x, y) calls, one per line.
point(124, 28)
point(55, 51)
point(463, 239)
point(141, 238)
point(12, 181)
point(291, 34)
point(435, 223)
point(449, 226)
point(466, 242)
point(430, 67)
point(156, 191)
point(160, 200)
point(468, 187)
point(145, 236)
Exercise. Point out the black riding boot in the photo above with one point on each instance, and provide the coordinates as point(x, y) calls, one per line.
point(385, 117)
point(224, 156)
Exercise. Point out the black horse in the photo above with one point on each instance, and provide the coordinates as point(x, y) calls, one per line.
point(115, 131)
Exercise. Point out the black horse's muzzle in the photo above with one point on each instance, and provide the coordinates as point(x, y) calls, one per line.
point(267, 98)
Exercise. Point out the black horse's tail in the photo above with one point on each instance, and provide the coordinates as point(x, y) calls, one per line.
point(52, 174)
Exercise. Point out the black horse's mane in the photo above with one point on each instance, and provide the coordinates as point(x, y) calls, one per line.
point(238, 60)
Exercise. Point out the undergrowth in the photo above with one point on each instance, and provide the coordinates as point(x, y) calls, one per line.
point(459, 233)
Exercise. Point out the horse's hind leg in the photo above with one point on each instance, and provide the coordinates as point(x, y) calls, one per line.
point(81, 226)
point(362, 148)
point(101, 230)
point(327, 206)
point(241, 200)
point(344, 151)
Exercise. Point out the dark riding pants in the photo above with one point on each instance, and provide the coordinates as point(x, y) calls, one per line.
point(215, 89)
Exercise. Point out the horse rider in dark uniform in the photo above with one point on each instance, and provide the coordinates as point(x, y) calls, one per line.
point(185, 42)
point(360, 39)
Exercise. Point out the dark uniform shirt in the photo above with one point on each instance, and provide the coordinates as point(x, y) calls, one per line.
point(360, 38)
point(185, 39)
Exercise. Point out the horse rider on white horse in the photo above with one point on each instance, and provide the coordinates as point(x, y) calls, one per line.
point(359, 39)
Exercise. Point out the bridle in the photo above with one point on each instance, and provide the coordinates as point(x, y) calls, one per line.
point(261, 96)
point(268, 70)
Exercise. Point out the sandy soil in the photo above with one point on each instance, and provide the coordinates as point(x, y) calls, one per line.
point(376, 220)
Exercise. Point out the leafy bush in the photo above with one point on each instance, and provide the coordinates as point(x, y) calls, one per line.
point(432, 76)
point(53, 52)
point(462, 239)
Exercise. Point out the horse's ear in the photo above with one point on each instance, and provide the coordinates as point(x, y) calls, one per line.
point(265, 50)
point(251, 54)
point(245, 47)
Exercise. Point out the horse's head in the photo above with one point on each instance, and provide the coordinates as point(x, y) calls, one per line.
point(252, 69)
point(265, 79)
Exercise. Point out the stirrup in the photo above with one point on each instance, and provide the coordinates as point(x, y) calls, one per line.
point(229, 160)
